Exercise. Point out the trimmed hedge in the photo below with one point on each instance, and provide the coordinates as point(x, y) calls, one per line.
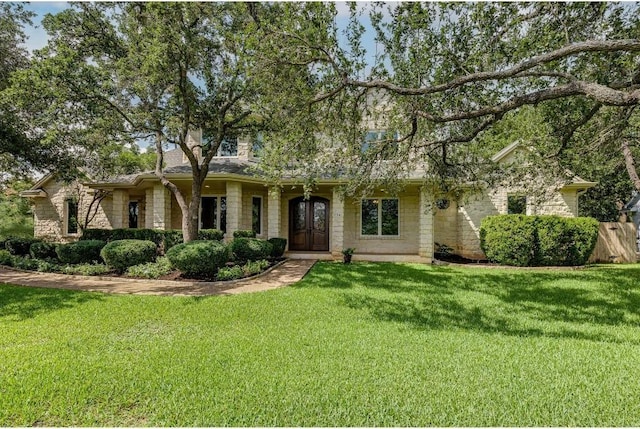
point(6, 258)
point(43, 250)
point(250, 249)
point(199, 258)
point(279, 244)
point(538, 240)
point(122, 254)
point(19, 246)
point(244, 233)
point(80, 252)
point(164, 239)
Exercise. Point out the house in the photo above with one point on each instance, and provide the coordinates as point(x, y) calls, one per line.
point(381, 227)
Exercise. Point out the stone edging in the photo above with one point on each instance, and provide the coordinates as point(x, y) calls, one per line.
point(139, 280)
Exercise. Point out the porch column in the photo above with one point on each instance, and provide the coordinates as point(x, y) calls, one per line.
point(274, 216)
point(336, 238)
point(161, 207)
point(148, 208)
point(425, 237)
point(234, 208)
point(120, 209)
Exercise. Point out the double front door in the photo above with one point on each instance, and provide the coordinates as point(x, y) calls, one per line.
point(309, 224)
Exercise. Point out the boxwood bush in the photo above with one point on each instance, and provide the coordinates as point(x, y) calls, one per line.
point(19, 245)
point(244, 233)
point(538, 240)
point(43, 250)
point(199, 258)
point(122, 254)
point(164, 239)
point(250, 249)
point(6, 258)
point(279, 244)
point(80, 252)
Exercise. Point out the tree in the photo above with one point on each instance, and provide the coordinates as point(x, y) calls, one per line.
point(449, 72)
point(154, 72)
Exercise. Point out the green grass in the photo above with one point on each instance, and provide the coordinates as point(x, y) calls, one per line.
point(365, 345)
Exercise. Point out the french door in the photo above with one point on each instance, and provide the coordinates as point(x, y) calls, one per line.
point(309, 224)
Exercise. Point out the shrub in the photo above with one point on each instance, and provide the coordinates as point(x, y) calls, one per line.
point(86, 269)
point(538, 240)
point(255, 267)
point(151, 270)
point(6, 258)
point(244, 233)
point(509, 239)
point(279, 244)
point(42, 250)
point(210, 234)
point(230, 273)
point(80, 252)
point(565, 241)
point(19, 245)
point(97, 234)
point(25, 263)
point(122, 254)
point(47, 266)
point(199, 258)
point(250, 249)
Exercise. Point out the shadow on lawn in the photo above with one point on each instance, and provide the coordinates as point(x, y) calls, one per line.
point(20, 303)
point(581, 304)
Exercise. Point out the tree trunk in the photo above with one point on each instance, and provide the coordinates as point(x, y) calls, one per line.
point(190, 218)
point(630, 164)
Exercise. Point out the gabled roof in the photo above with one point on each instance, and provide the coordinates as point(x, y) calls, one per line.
point(499, 156)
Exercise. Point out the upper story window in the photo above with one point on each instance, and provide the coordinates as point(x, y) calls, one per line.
point(257, 144)
point(380, 217)
point(228, 147)
point(516, 204)
point(374, 138)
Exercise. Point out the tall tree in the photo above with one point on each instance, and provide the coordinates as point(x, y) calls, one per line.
point(448, 72)
point(151, 71)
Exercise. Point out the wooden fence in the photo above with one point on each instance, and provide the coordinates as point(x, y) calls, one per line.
point(616, 243)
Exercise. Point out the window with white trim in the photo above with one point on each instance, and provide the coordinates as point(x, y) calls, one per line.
point(256, 215)
point(228, 146)
point(213, 213)
point(379, 217)
point(382, 140)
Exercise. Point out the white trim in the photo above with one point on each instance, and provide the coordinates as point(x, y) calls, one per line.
point(379, 235)
point(261, 214)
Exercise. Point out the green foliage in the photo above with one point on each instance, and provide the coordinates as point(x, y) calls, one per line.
point(25, 263)
point(230, 273)
point(80, 252)
point(199, 258)
point(565, 241)
point(244, 233)
point(239, 271)
point(16, 219)
point(86, 269)
point(48, 265)
point(122, 254)
point(151, 270)
point(538, 240)
point(279, 244)
point(6, 258)
point(250, 249)
point(19, 245)
point(43, 250)
point(210, 234)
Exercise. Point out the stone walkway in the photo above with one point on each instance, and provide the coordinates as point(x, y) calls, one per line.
point(285, 274)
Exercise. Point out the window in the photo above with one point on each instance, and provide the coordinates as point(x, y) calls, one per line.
point(380, 137)
point(516, 204)
point(133, 214)
point(380, 216)
point(256, 215)
point(72, 217)
point(228, 147)
point(213, 213)
point(257, 144)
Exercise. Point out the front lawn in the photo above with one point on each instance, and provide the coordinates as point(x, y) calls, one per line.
point(365, 345)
